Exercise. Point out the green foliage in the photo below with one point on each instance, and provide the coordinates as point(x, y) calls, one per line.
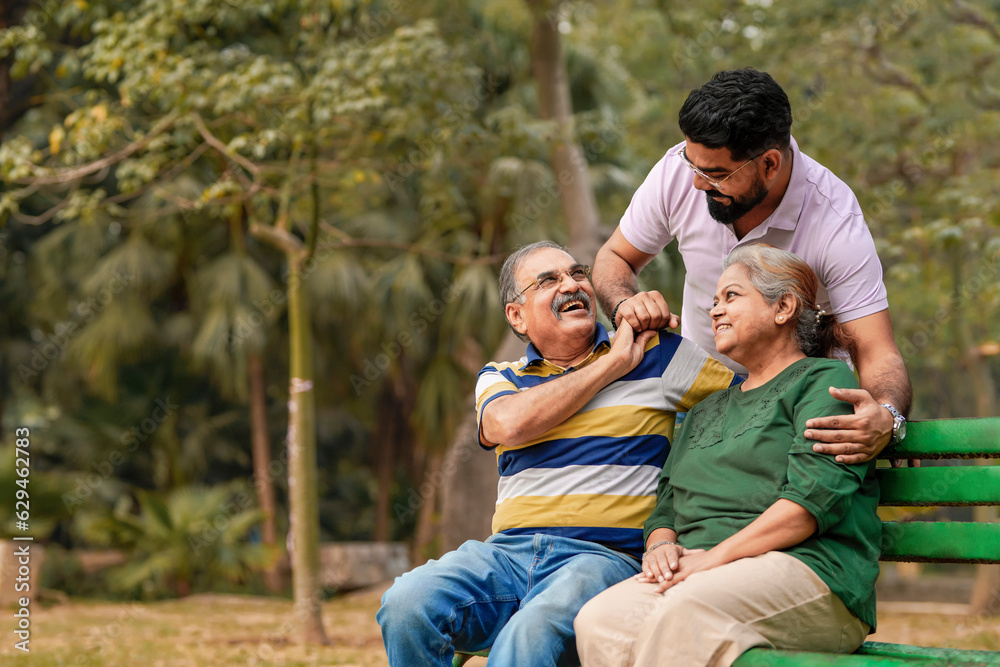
point(178, 542)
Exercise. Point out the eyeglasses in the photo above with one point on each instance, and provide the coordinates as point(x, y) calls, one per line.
point(711, 180)
point(551, 279)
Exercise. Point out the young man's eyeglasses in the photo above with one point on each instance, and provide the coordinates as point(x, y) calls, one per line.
point(712, 180)
point(550, 279)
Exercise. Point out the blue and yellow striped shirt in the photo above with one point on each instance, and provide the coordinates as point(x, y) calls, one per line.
point(609, 454)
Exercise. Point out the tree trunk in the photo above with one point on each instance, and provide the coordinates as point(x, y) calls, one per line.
point(426, 524)
point(469, 489)
point(303, 497)
point(470, 474)
point(565, 154)
point(384, 445)
point(263, 480)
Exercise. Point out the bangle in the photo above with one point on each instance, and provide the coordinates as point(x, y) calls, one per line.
point(658, 545)
point(614, 313)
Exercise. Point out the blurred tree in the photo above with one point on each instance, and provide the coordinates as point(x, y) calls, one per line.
point(179, 541)
point(181, 116)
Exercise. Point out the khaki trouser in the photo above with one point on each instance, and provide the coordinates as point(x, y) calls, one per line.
point(711, 618)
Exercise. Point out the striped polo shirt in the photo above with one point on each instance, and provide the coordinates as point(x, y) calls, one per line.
point(594, 476)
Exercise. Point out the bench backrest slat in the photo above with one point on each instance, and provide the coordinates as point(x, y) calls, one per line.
point(940, 541)
point(949, 438)
point(939, 485)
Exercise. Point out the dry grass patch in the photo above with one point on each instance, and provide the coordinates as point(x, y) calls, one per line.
point(213, 630)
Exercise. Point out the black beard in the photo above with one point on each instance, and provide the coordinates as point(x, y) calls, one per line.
point(738, 206)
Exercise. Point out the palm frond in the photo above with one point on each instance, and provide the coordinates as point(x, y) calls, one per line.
point(134, 265)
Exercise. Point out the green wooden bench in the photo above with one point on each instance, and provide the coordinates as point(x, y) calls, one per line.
point(920, 541)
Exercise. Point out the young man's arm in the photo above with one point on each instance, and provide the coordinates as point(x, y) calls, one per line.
point(615, 269)
point(883, 378)
point(515, 419)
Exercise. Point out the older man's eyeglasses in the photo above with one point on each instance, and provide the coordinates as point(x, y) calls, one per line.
point(550, 279)
point(712, 180)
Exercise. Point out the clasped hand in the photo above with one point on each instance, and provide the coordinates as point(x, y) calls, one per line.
point(627, 349)
point(670, 564)
point(646, 311)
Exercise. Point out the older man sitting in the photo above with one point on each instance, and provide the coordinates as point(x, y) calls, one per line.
point(581, 428)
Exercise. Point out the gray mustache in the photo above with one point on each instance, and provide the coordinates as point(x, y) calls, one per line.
point(562, 299)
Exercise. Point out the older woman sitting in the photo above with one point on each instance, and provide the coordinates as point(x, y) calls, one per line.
point(755, 540)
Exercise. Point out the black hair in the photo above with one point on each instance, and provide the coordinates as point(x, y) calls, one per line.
point(744, 110)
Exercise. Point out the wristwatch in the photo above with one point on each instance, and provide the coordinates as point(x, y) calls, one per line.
point(898, 424)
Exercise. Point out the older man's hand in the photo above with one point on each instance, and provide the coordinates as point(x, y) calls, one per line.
point(646, 311)
point(627, 349)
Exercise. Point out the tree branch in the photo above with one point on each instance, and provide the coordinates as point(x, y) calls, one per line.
point(47, 215)
point(217, 144)
point(74, 173)
point(345, 240)
point(962, 12)
point(278, 238)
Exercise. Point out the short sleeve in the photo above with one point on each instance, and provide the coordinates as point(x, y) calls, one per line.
point(815, 481)
point(690, 374)
point(491, 385)
point(664, 515)
point(852, 272)
point(645, 223)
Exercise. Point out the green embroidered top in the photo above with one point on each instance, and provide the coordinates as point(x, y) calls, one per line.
point(738, 452)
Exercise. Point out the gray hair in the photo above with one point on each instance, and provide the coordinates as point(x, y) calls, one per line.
point(774, 273)
point(508, 279)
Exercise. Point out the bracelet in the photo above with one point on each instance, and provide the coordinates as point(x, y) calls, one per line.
point(658, 545)
point(614, 313)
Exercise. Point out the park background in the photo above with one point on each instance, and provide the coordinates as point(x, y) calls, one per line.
point(248, 263)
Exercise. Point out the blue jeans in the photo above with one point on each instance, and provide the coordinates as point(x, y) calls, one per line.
point(518, 594)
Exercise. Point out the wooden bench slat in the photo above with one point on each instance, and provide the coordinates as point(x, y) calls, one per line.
point(940, 485)
point(953, 656)
point(871, 653)
point(761, 657)
point(949, 438)
point(941, 541)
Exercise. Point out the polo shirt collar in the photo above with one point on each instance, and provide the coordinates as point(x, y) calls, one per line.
point(534, 356)
point(786, 216)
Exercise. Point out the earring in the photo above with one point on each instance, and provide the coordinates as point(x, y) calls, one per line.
point(781, 318)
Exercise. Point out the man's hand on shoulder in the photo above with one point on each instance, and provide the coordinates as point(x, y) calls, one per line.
point(646, 311)
point(853, 438)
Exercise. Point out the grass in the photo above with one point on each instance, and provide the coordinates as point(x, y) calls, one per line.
point(214, 630)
